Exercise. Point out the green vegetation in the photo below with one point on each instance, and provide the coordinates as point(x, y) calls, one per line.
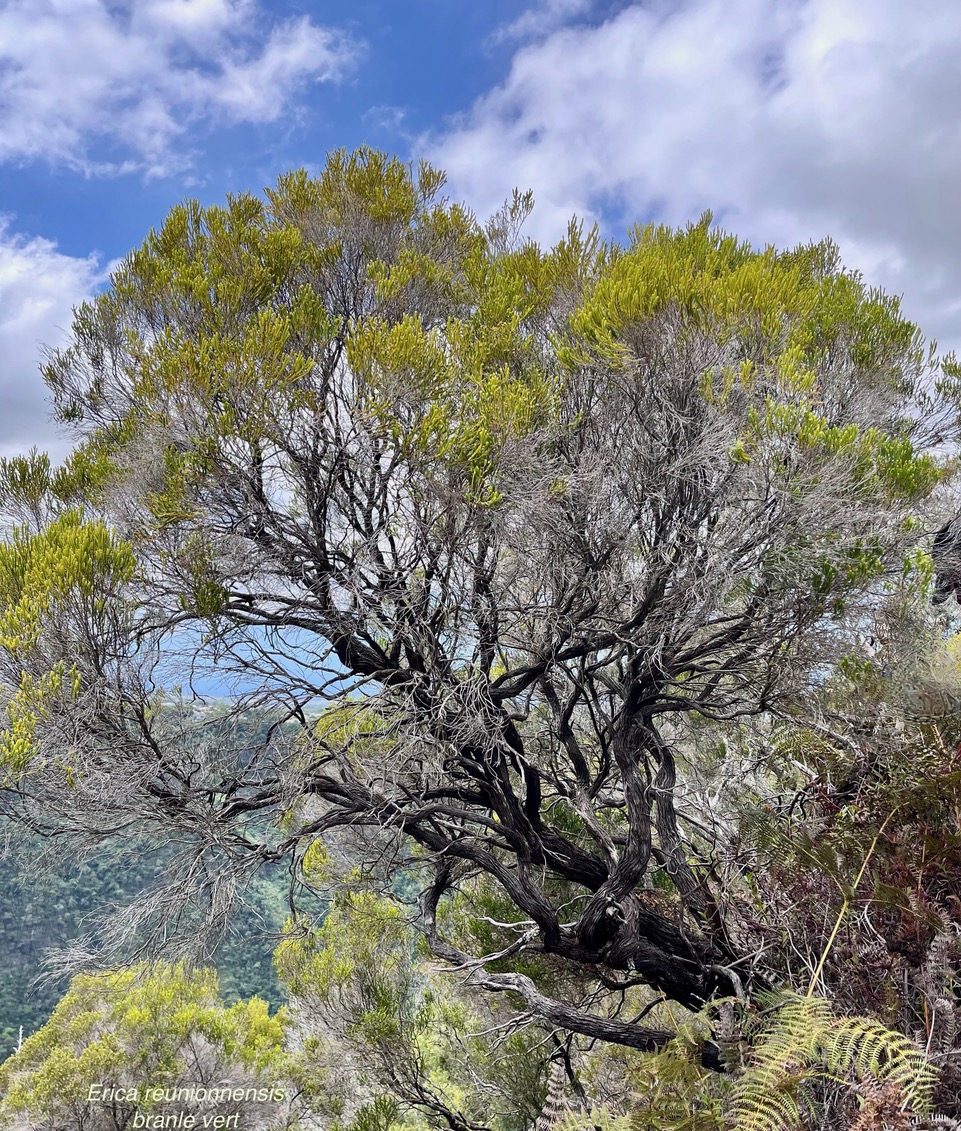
point(47, 906)
point(572, 613)
point(151, 1041)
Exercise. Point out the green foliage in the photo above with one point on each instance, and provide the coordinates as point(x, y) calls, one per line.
point(401, 1035)
point(132, 1031)
point(790, 312)
point(805, 1041)
point(57, 585)
point(40, 573)
point(532, 523)
point(671, 1091)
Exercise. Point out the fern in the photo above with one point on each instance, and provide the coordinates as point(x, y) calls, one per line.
point(807, 1042)
point(670, 1091)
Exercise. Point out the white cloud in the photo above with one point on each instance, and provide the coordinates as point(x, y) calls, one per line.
point(385, 117)
point(790, 119)
point(141, 74)
point(542, 19)
point(38, 287)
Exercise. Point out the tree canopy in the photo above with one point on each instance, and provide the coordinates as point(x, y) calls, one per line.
point(148, 1043)
point(554, 566)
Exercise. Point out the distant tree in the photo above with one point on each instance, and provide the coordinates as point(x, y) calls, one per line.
point(138, 1045)
point(536, 527)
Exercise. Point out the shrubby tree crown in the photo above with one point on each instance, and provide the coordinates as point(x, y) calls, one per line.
point(150, 1044)
point(538, 534)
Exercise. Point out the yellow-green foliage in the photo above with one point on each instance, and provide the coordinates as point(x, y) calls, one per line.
point(69, 561)
point(707, 276)
point(358, 971)
point(362, 974)
point(437, 392)
point(792, 313)
point(32, 490)
point(352, 723)
point(234, 323)
point(64, 580)
point(137, 1028)
point(804, 1041)
point(26, 706)
point(362, 932)
point(449, 359)
point(461, 390)
point(796, 306)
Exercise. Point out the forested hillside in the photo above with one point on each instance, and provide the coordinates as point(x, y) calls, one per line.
point(52, 901)
point(585, 601)
point(49, 907)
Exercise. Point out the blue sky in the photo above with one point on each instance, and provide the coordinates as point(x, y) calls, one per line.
point(790, 119)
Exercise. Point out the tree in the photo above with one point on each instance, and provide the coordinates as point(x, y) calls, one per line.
point(534, 527)
point(137, 1046)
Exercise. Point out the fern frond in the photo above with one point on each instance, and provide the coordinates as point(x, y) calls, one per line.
point(671, 1091)
point(805, 1042)
point(865, 1047)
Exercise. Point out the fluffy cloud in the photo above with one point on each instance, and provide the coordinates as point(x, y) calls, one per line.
point(129, 78)
point(789, 120)
point(38, 287)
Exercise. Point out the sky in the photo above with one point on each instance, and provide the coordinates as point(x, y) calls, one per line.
point(790, 120)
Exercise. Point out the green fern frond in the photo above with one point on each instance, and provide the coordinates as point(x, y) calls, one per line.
point(869, 1049)
point(762, 829)
point(671, 1091)
point(762, 1111)
point(806, 1041)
